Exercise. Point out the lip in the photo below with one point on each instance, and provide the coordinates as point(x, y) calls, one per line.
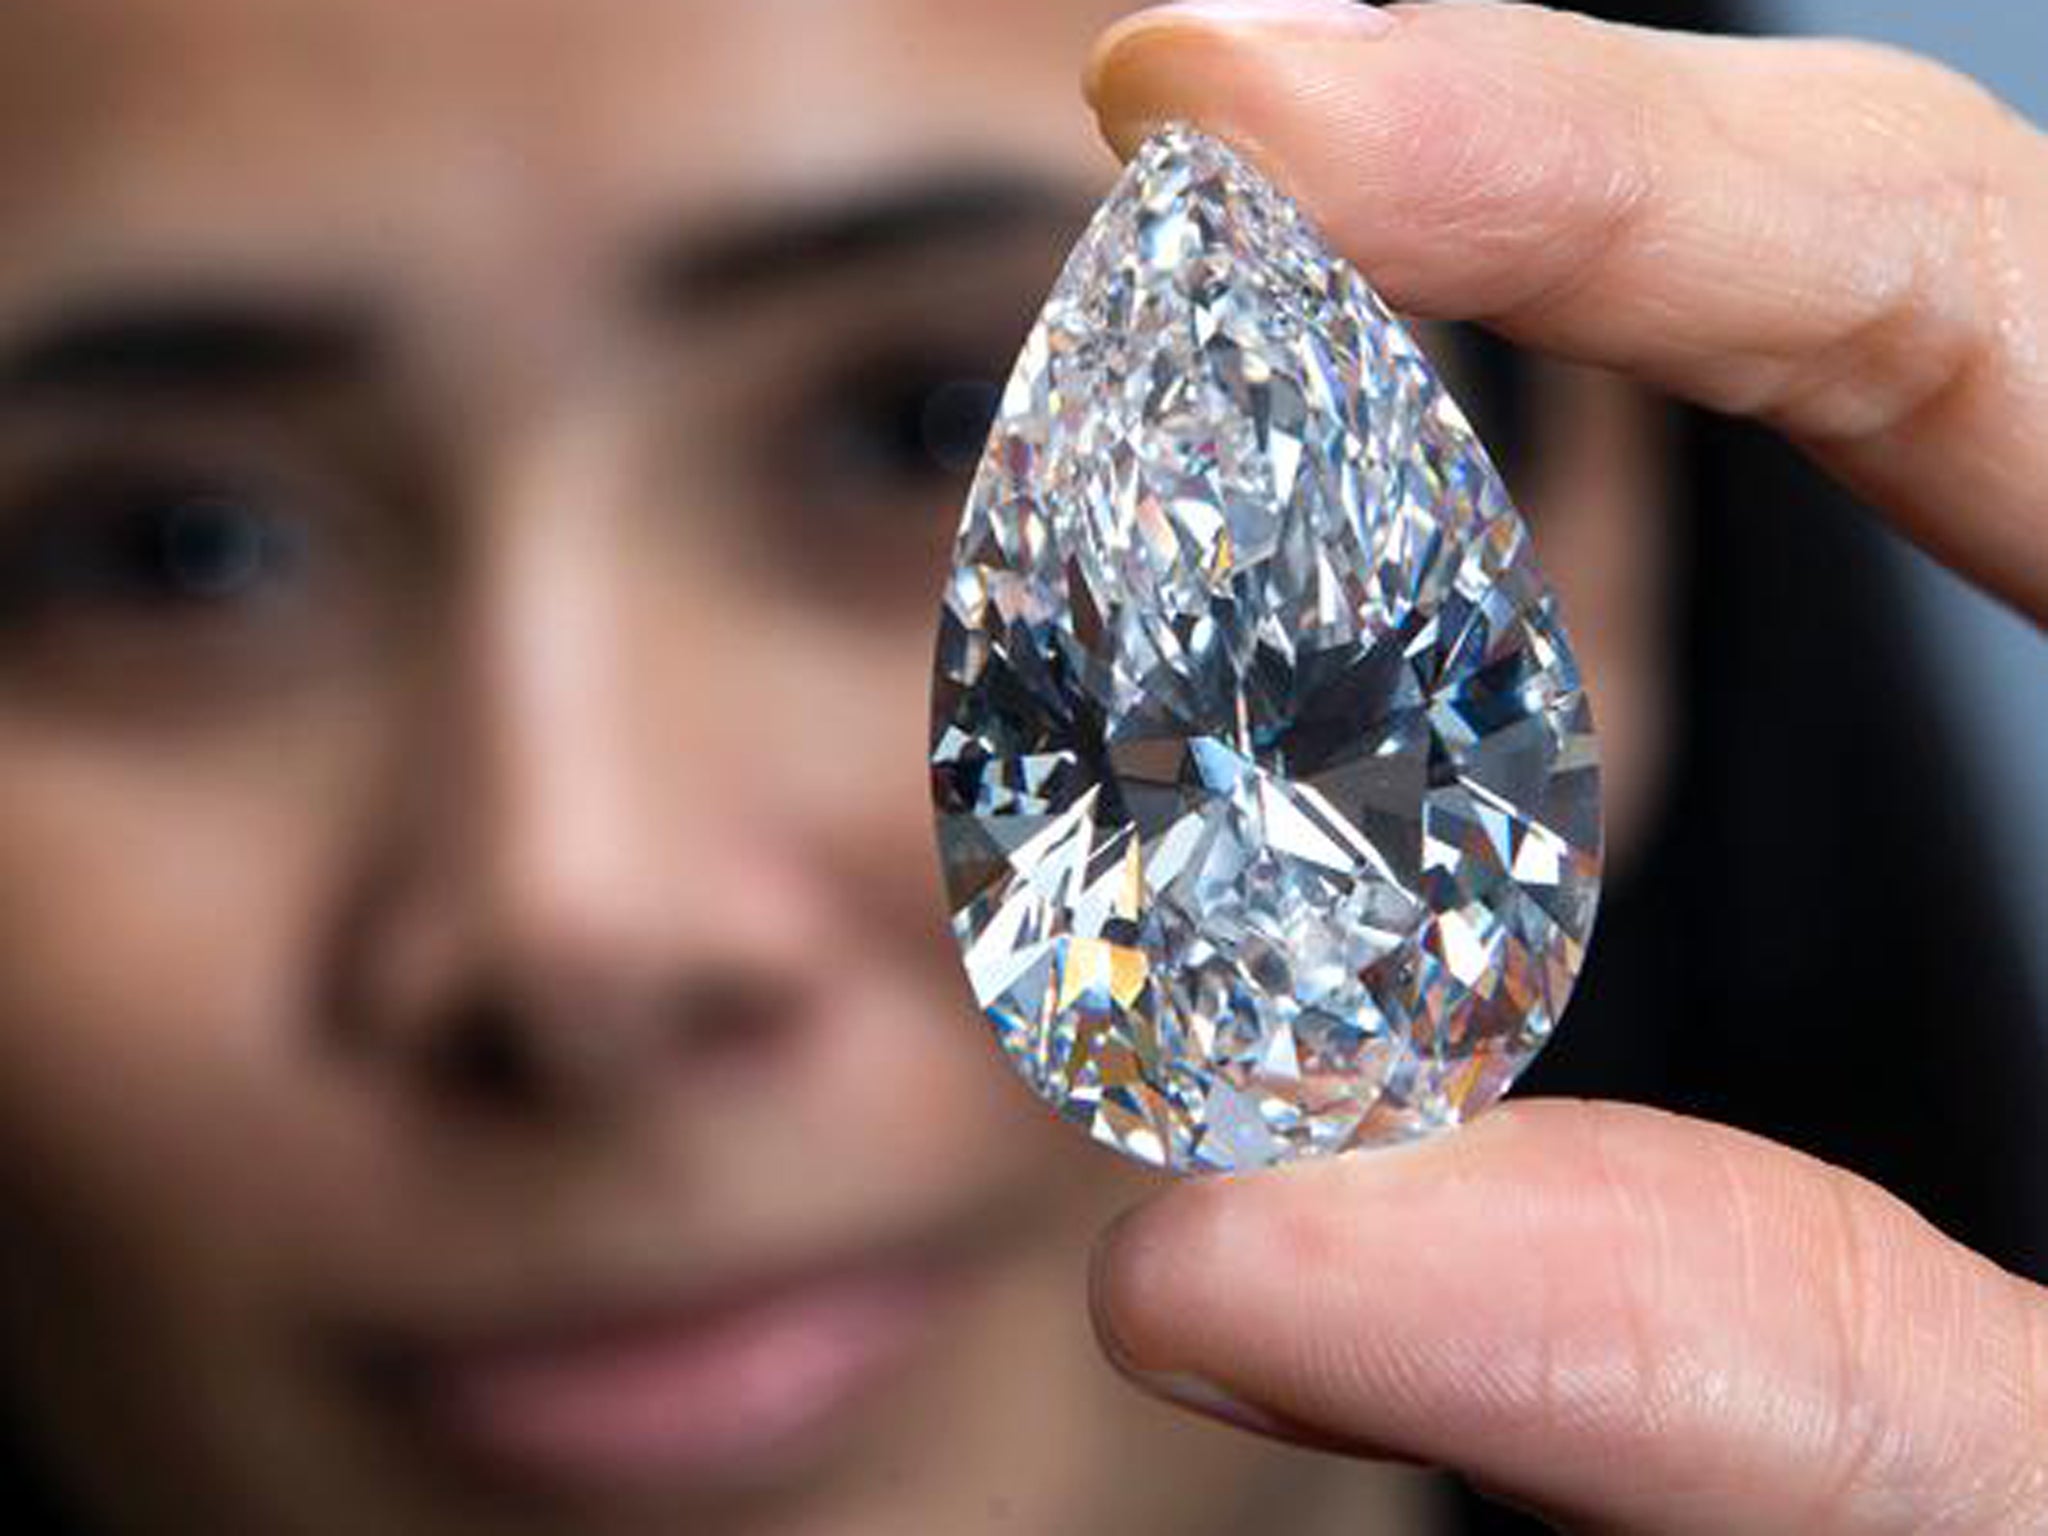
point(642, 1397)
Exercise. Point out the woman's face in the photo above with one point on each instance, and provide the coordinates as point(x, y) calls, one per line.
point(479, 1044)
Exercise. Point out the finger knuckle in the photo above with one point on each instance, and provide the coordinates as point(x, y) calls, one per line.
point(2025, 1495)
point(1636, 1383)
point(1994, 1475)
point(1919, 207)
point(1938, 1419)
point(1475, 177)
point(1861, 1438)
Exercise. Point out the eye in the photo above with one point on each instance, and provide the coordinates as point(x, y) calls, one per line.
point(146, 547)
point(902, 423)
point(208, 549)
point(955, 419)
point(165, 592)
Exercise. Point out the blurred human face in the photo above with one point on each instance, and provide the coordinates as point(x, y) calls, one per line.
point(479, 1047)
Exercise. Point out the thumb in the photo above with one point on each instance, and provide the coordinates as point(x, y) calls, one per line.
point(1627, 1319)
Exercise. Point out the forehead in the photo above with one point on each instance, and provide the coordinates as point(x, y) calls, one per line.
point(128, 125)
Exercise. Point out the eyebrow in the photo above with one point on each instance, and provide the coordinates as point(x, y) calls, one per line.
point(171, 341)
point(781, 249)
point(150, 342)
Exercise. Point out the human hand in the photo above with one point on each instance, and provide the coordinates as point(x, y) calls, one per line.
point(1631, 1321)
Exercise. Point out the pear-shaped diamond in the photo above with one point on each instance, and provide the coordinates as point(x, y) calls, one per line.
point(1266, 788)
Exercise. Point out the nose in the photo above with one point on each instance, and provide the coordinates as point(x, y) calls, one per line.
point(587, 887)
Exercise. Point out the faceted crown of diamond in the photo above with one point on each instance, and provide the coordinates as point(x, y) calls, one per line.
point(1266, 788)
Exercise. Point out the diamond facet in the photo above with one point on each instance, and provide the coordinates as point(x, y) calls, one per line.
point(1266, 788)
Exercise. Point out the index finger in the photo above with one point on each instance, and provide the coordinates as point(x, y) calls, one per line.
point(1848, 243)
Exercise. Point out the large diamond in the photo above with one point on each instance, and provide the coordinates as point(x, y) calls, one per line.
point(1266, 788)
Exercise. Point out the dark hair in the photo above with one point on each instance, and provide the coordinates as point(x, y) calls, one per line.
point(1811, 946)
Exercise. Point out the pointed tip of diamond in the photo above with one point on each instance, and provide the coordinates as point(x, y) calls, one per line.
point(1268, 783)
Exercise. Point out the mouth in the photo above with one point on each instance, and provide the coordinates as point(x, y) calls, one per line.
point(649, 1396)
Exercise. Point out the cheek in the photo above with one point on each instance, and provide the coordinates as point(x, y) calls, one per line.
point(911, 1074)
point(161, 1119)
point(856, 794)
point(156, 909)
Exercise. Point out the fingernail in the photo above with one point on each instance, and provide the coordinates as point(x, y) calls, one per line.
point(1203, 1396)
point(1353, 17)
point(1200, 1395)
point(1324, 19)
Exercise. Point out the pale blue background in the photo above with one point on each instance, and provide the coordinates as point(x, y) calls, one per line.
point(1996, 665)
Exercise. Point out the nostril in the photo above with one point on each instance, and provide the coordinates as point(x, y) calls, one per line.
point(504, 1052)
point(733, 1020)
point(482, 1054)
point(511, 1051)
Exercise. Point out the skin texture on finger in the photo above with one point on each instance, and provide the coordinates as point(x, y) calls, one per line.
point(1632, 1321)
point(1844, 241)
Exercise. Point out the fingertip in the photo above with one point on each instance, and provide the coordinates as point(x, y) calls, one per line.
point(1146, 67)
point(1161, 1275)
point(1107, 1279)
point(1120, 81)
point(1159, 1278)
point(1144, 1265)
